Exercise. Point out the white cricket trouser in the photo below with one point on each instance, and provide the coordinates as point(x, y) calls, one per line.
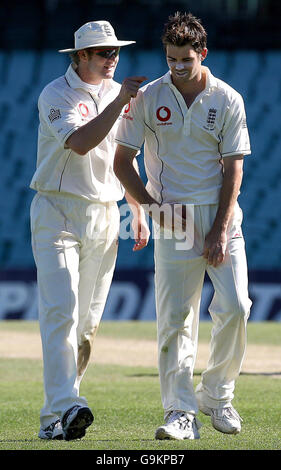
point(74, 244)
point(179, 277)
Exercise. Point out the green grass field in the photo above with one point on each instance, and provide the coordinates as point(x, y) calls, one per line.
point(126, 400)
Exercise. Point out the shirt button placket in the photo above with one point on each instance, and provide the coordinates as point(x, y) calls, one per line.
point(187, 121)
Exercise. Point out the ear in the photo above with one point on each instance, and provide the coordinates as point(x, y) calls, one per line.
point(82, 55)
point(203, 54)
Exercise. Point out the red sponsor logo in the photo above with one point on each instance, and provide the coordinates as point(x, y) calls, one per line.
point(163, 114)
point(83, 109)
point(126, 110)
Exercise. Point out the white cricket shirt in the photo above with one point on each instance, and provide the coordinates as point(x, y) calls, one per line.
point(184, 146)
point(64, 105)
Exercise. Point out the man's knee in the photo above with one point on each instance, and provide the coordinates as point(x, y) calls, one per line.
point(235, 307)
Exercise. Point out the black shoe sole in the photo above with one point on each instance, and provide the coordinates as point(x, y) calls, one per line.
point(77, 428)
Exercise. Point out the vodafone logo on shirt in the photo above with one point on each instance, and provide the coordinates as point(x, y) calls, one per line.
point(126, 110)
point(83, 109)
point(163, 115)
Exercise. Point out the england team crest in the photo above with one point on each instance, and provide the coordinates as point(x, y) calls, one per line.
point(211, 118)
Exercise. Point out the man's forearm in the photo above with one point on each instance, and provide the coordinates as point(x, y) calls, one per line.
point(228, 197)
point(163, 214)
point(133, 203)
point(91, 134)
point(216, 240)
point(130, 179)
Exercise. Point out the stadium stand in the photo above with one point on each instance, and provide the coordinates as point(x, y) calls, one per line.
point(23, 76)
point(244, 49)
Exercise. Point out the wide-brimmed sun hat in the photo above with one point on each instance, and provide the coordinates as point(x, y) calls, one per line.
point(96, 34)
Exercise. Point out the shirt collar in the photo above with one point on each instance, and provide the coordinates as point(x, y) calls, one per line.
point(211, 80)
point(75, 81)
point(167, 78)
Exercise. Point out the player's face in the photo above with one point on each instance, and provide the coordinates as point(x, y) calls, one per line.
point(184, 62)
point(102, 64)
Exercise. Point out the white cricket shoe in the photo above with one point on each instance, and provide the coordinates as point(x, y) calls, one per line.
point(178, 426)
point(53, 431)
point(226, 420)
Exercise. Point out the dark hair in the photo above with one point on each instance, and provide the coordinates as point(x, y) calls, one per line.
point(182, 29)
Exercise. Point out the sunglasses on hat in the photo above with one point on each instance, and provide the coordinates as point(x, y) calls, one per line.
point(107, 53)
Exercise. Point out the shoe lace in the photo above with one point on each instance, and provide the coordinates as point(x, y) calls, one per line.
point(52, 426)
point(231, 413)
point(182, 420)
point(67, 413)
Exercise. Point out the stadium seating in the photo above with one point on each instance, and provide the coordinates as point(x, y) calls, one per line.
point(256, 75)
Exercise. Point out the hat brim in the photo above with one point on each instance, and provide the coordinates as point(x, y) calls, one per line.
point(104, 44)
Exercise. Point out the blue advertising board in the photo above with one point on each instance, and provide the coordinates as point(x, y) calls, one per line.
point(131, 296)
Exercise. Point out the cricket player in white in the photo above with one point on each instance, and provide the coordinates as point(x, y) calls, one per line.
point(75, 218)
point(194, 130)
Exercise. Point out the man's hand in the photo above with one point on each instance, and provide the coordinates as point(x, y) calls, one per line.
point(215, 247)
point(215, 242)
point(130, 88)
point(141, 232)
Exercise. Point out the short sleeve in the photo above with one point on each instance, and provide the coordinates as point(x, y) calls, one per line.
point(131, 129)
point(235, 137)
point(60, 117)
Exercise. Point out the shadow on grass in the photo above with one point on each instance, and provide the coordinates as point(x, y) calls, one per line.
point(155, 374)
point(4, 441)
point(261, 373)
point(199, 372)
point(143, 374)
point(62, 442)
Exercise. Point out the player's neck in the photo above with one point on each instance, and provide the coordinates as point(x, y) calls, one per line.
point(192, 87)
point(87, 77)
